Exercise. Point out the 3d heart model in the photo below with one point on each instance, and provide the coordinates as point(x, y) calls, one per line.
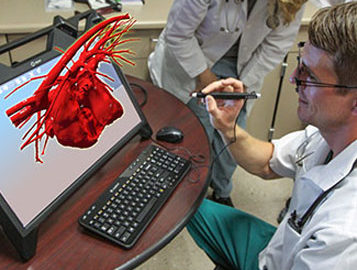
point(73, 103)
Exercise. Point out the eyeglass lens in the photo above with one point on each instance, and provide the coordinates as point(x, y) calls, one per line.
point(301, 72)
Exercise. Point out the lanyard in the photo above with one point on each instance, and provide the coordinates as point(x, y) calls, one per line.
point(298, 224)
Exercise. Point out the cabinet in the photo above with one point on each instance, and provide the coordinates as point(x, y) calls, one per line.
point(145, 44)
point(260, 119)
point(150, 20)
point(4, 58)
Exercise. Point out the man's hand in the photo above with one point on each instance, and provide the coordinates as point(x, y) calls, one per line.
point(250, 153)
point(224, 112)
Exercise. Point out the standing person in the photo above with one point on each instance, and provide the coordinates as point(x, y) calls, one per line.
point(206, 40)
point(320, 229)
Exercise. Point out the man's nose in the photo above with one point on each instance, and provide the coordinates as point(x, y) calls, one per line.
point(292, 76)
point(292, 80)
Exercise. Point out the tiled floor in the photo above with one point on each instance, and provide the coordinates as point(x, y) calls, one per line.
point(264, 199)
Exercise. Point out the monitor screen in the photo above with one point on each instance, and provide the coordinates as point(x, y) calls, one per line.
point(29, 188)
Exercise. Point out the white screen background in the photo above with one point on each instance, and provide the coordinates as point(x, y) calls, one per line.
point(29, 187)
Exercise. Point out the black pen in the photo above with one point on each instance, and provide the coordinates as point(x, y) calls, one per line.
point(227, 95)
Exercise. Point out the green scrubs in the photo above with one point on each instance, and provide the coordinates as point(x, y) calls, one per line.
point(230, 237)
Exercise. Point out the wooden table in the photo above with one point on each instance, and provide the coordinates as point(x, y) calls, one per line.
point(63, 244)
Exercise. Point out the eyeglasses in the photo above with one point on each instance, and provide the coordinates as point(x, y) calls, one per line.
point(302, 70)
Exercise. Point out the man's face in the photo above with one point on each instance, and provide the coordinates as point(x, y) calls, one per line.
point(321, 107)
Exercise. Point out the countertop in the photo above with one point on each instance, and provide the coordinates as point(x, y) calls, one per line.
point(27, 16)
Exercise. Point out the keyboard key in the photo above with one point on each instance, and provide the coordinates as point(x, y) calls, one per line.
point(125, 237)
point(147, 208)
point(111, 230)
point(119, 232)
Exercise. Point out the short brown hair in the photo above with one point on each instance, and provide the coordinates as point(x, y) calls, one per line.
point(334, 30)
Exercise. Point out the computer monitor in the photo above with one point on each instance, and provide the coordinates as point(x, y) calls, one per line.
point(30, 190)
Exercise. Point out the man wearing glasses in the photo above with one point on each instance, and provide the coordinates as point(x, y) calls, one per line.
point(320, 229)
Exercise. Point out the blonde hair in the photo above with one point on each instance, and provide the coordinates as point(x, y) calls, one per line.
point(334, 30)
point(289, 8)
point(286, 8)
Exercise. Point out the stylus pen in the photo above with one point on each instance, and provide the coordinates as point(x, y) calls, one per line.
point(226, 95)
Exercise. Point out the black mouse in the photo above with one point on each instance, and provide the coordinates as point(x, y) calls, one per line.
point(169, 134)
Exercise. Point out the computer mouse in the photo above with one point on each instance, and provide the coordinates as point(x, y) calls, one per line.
point(169, 134)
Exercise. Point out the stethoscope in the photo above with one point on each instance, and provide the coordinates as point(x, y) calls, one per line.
point(298, 223)
point(227, 28)
point(272, 21)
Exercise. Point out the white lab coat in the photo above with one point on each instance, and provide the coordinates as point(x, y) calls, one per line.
point(192, 41)
point(328, 240)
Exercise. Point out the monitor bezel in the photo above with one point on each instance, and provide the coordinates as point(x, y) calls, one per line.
point(143, 124)
point(8, 218)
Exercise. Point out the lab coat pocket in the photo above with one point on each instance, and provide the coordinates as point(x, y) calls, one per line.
point(291, 239)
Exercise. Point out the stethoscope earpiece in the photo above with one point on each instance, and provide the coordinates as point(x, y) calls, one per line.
point(273, 21)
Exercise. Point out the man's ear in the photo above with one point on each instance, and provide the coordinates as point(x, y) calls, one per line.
point(354, 106)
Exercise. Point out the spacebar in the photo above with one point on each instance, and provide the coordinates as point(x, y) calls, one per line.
point(146, 209)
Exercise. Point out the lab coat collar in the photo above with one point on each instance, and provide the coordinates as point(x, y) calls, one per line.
point(325, 176)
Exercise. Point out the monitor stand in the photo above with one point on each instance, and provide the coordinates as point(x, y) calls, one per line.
point(145, 131)
point(24, 245)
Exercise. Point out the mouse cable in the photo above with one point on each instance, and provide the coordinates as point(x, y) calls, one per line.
point(232, 141)
point(142, 90)
point(224, 147)
point(196, 159)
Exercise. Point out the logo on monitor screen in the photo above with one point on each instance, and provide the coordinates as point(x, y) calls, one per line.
point(35, 62)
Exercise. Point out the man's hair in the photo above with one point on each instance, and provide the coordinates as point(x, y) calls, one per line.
point(334, 30)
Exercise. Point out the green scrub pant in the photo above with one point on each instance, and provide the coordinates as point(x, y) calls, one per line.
point(231, 238)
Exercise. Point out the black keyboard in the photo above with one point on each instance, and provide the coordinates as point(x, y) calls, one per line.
point(127, 207)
